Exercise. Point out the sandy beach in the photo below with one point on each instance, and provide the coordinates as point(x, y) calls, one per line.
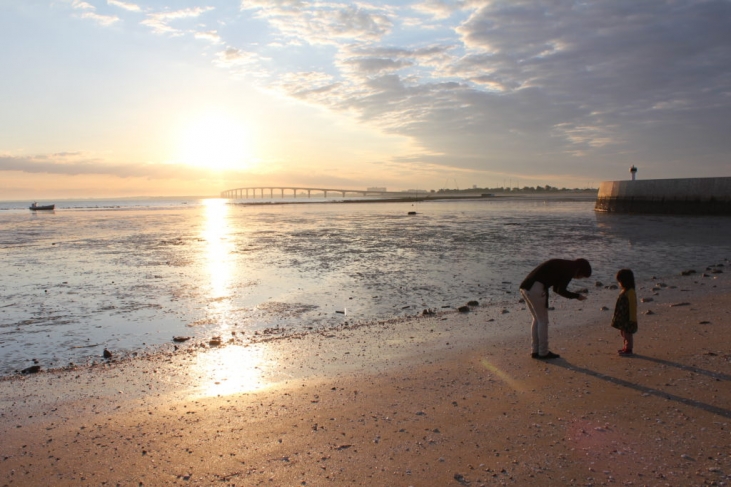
point(449, 399)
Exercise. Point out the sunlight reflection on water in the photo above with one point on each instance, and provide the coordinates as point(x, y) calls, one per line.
point(228, 370)
point(76, 282)
point(219, 263)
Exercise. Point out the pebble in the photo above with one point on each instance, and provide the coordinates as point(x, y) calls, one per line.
point(32, 369)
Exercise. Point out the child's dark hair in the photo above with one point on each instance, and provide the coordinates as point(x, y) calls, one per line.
point(626, 278)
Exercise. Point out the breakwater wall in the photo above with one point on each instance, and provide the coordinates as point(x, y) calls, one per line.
point(692, 196)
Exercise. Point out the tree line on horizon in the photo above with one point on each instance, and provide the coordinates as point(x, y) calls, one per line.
point(525, 189)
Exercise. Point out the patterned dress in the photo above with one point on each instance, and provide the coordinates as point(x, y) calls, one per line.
point(625, 312)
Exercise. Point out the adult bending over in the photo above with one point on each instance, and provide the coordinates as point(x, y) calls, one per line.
point(556, 274)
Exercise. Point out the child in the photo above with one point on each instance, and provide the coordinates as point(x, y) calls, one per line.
point(625, 311)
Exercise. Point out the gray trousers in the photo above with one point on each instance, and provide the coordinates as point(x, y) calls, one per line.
point(535, 298)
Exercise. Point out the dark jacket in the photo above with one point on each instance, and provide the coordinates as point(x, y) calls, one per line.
point(625, 311)
point(556, 274)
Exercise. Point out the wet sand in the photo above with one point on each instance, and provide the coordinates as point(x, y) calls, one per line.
point(451, 399)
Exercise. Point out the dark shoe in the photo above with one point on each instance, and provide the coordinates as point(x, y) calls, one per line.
point(534, 355)
point(625, 352)
point(548, 356)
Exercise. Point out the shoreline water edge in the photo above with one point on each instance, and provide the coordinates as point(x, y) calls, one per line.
point(430, 400)
point(78, 282)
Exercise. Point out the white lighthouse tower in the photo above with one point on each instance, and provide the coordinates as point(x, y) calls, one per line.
point(633, 171)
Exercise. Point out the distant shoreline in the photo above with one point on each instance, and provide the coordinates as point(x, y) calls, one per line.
point(558, 196)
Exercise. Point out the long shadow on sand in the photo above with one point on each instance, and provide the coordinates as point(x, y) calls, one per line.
point(687, 368)
point(726, 413)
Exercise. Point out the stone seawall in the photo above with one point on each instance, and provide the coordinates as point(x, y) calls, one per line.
point(696, 196)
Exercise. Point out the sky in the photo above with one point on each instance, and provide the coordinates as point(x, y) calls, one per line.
point(113, 98)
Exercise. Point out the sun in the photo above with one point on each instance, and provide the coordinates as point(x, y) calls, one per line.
point(215, 141)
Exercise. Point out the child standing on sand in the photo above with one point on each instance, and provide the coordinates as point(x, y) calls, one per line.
point(625, 311)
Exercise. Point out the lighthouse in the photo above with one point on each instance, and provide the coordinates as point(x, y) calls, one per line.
point(633, 171)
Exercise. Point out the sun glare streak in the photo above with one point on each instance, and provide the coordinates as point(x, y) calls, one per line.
point(502, 375)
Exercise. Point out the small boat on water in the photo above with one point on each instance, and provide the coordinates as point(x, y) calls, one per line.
point(36, 206)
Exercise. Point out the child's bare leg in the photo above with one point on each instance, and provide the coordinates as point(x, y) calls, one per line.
point(628, 341)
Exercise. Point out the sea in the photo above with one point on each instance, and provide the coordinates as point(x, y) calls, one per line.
point(129, 275)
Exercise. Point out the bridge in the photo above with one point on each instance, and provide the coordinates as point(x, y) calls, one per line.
point(239, 193)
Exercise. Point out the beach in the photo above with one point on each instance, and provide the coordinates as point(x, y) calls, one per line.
point(447, 399)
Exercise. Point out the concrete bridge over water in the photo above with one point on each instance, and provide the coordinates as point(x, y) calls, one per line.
point(239, 193)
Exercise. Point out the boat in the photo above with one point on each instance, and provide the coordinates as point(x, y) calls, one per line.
point(36, 206)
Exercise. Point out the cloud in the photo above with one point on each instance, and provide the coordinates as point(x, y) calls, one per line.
point(443, 9)
point(496, 83)
point(585, 137)
point(80, 5)
point(80, 163)
point(621, 50)
point(373, 65)
point(315, 87)
point(557, 81)
point(124, 5)
point(104, 20)
point(618, 59)
point(322, 23)
point(231, 57)
point(159, 22)
point(210, 36)
point(372, 60)
point(90, 13)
